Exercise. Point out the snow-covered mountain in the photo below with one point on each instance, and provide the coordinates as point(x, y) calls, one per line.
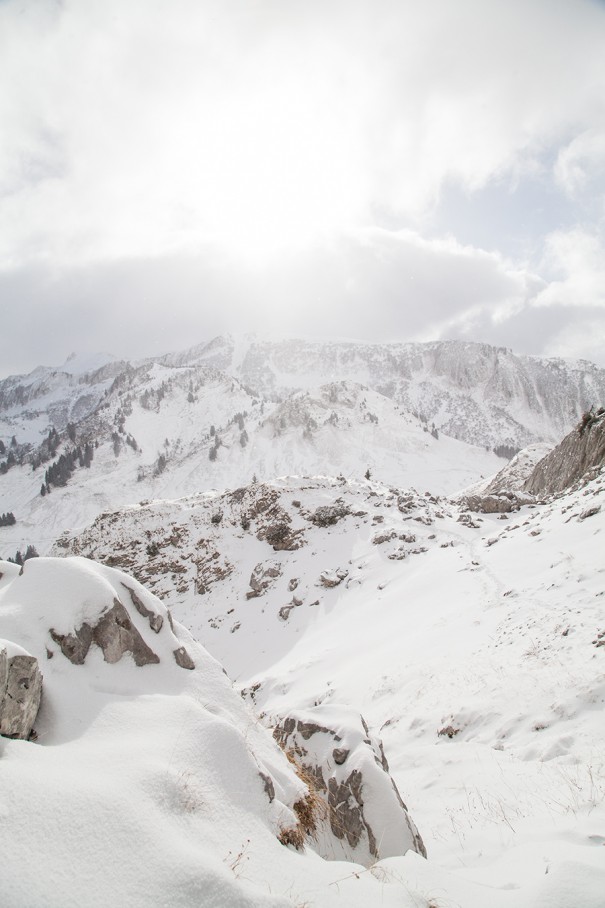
point(220, 414)
point(163, 432)
point(474, 392)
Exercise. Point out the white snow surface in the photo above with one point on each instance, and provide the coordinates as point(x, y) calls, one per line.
point(144, 788)
point(473, 645)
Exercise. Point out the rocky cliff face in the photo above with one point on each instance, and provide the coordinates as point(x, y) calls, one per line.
point(580, 454)
point(474, 392)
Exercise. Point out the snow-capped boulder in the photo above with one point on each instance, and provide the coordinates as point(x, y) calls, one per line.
point(20, 691)
point(114, 617)
point(330, 578)
point(357, 813)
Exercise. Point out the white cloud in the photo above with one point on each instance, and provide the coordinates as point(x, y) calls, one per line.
point(221, 164)
point(580, 340)
point(576, 259)
point(149, 127)
point(581, 164)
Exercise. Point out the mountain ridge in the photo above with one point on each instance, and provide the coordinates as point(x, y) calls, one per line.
point(432, 416)
point(474, 392)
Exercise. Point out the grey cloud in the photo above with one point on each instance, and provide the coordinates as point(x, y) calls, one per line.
point(155, 156)
point(378, 286)
point(570, 332)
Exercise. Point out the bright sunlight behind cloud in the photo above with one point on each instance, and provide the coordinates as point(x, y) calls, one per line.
point(243, 150)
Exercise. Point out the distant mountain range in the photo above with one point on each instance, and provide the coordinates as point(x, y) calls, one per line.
point(99, 433)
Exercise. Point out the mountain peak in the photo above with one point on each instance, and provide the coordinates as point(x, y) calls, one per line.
point(80, 363)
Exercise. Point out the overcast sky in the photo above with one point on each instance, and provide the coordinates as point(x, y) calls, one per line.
point(373, 169)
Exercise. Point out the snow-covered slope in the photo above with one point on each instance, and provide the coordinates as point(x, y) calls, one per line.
point(150, 783)
point(473, 644)
point(166, 432)
point(480, 394)
point(30, 405)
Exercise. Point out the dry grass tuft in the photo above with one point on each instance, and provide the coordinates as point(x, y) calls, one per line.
point(306, 811)
point(293, 835)
point(309, 810)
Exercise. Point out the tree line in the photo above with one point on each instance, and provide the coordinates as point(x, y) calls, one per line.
point(59, 472)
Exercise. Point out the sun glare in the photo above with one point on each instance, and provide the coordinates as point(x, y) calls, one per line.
point(279, 172)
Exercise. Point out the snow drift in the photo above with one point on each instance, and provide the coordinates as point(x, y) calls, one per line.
point(151, 782)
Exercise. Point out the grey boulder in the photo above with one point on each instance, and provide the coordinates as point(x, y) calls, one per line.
point(20, 691)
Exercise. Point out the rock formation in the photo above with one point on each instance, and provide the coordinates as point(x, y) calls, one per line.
point(504, 492)
point(102, 610)
point(357, 812)
point(20, 691)
point(263, 576)
point(580, 454)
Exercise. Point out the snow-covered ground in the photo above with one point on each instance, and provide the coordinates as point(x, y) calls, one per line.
point(471, 643)
point(150, 782)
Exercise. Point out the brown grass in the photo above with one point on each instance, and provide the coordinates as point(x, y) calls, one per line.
point(309, 810)
point(292, 835)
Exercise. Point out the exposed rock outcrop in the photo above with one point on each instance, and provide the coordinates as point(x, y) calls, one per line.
point(512, 477)
point(263, 576)
point(155, 620)
point(330, 579)
point(114, 634)
point(358, 814)
point(183, 659)
point(329, 514)
point(504, 493)
point(20, 691)
point(580, 454)
point(100, 608)
point(496, 504)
